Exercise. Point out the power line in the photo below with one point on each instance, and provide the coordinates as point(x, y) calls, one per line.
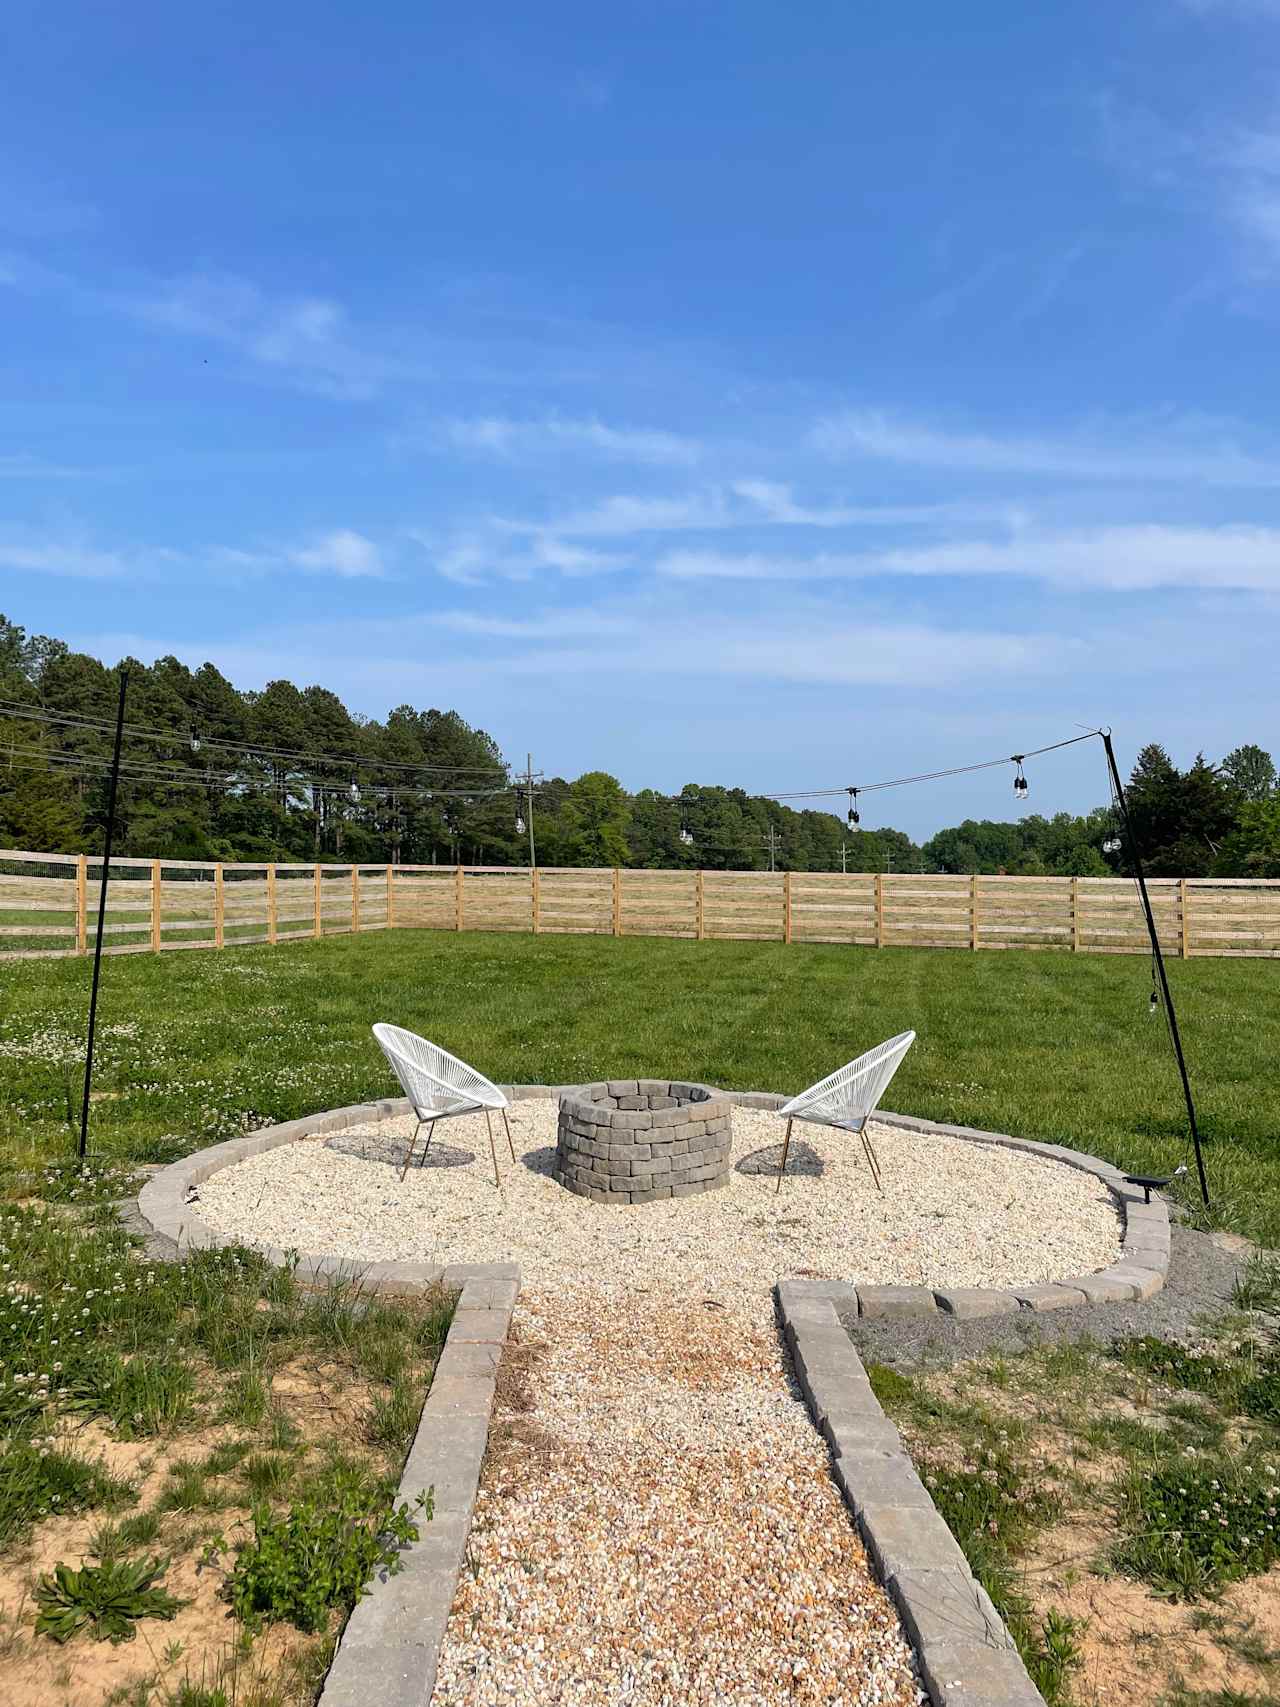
point(133, 771)
point(16, 710)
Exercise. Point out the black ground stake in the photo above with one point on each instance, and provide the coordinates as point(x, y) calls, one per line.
point(102, 915)
point(1158, 958)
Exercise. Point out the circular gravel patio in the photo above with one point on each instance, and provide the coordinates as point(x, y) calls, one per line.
point(954, 1213)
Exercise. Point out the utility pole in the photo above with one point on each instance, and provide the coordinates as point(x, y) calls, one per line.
point(528, 778)
point(772, 842)
point(102, 915)
point(844, 858)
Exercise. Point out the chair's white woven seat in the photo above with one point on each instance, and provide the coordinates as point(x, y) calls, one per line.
point(440, 1086)
point(435, 1082)
point(848, 1097)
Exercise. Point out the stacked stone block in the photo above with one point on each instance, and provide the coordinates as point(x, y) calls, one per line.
point(642, 1140)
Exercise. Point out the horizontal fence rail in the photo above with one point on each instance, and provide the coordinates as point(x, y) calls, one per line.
point(48, 906)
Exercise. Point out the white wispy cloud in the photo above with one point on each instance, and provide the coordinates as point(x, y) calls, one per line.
point(743, 504)
point(340, 553)
point(1124, 455)
point(553, 436)
point(66, 556)
point(472, 558)
point(304, 338)
point(1117, 559)
point(73, 553)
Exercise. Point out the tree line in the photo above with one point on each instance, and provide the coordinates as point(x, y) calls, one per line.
point(213, 772)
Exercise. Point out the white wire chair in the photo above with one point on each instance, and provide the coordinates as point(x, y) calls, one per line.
point(440, 1086)
point(847, 1098)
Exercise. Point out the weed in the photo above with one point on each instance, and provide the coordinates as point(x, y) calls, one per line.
point(247, 1399)
point(1197, 1524)
point(391, 1421)
point(299, 1566)
point(266, 1474)
point(1258, 1288)
point(113, 1540)
point(893, 1390)
point(39, 1481)
point(1198, 1371)
point(108, 1599)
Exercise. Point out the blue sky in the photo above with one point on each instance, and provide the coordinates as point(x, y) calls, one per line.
point(782, 396)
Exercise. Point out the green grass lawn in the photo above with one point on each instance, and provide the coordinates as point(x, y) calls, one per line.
point(194, 1047)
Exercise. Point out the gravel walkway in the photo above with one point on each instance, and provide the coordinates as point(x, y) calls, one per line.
point(953, 1213)
point(656, 1524)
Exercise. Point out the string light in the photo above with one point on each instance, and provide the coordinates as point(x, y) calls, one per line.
point(853, 819)
point(1021, 787)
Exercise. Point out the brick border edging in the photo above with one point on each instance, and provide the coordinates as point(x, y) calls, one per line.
point(1140, 1273)
point(389, 1651)
point(965, 1655)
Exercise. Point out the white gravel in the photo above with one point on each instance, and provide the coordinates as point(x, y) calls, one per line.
point(657, 1525)
point(953, 1213)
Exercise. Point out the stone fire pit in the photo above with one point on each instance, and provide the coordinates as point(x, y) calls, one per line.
point(638, 1140)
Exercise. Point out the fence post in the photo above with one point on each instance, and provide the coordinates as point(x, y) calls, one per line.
point(786, 906)
point(617, 901)
point(533, 899)
point(701, 916)
point(457, 898)
point(82, 894)
point(155, 906)
point(973, 911)
point(355, 898)
point(218, 904)
point(1075, 915)
point(391, 897)
point(1182, 917)
point(879, 909)
point(271, 904)
point(317, 928)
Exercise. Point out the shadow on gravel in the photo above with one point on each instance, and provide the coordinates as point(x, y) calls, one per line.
point(1202, 1273)
point(392, 1151)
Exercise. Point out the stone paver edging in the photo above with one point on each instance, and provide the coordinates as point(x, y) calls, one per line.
point(390, 1648)
point(965, 1655)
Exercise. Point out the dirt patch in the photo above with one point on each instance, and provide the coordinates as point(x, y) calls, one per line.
point(1135, 1646)
point(203, 1643)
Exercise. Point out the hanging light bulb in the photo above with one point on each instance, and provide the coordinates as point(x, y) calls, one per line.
point(1021, 787)
point(195, 743)
point(519, 824)
point(853, 820)
point(686, 836)
point(1111, 845)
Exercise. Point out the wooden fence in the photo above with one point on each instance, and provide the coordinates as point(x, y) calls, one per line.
point(48, 906)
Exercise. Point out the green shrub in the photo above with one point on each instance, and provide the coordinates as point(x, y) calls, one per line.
point(300, 1566)
point(108, 1599)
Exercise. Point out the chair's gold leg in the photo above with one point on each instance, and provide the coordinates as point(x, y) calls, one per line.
point(782, 1165)
point(409, 1152)
point(492, 1151)
point(871, 1158)
point(510, 1140)
point(430, 1134)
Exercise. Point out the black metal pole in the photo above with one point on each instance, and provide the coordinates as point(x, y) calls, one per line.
point(102, 914)
point(1165, 992)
